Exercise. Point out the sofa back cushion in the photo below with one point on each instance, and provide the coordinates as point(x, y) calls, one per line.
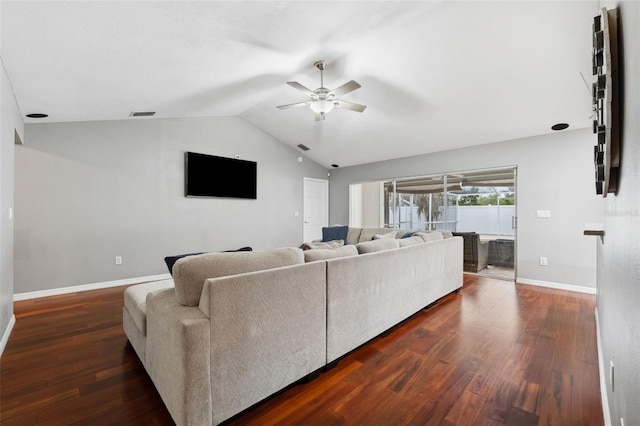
point(353, 235)
point(411, 241)
point(367, 234)
point(377, 245)
point(190, 273)
point(430, 235)
point(324, 254)
point(322, 245)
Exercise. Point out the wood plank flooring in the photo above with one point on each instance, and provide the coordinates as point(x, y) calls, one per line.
point(495, 353)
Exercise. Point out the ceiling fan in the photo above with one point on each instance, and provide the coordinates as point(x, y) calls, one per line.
point(324, 100)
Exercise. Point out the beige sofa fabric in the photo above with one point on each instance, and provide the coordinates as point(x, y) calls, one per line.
point(430, 235)
point(353, 235)
point(178, 357)
point(377, 245)
point(368, 294)
point(323, 254)
point(135, 300)
point(189, 273)
point(411, 241)
point(268, 329)
point(252, 334)
point(334, 244)
point(367, 234)
point(136, 338)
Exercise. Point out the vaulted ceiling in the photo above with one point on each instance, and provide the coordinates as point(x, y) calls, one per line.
point(435, 75)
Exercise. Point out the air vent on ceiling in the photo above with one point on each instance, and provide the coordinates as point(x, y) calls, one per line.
point(304, 147)
point(142, 114)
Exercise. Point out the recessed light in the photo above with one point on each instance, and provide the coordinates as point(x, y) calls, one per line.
point(37, 115)
point(560, 126)
point(335, 165)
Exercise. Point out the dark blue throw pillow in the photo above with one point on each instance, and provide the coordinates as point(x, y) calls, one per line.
point(335, 233)
point(171, 260)
point(408, 234)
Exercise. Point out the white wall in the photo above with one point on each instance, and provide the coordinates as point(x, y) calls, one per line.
point(555, 172)
point(619, 256)
point(89, 191)
point(10, 123)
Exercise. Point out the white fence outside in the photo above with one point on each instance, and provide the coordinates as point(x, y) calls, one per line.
point(492, 220)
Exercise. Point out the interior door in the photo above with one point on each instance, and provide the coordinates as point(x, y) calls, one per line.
point(316, 208)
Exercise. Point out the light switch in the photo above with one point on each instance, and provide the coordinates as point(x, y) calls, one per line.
point(543, 214)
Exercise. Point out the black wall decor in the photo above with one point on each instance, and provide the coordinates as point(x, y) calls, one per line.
point(605, 101)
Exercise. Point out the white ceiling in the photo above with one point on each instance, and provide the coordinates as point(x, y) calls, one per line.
point(435, 75)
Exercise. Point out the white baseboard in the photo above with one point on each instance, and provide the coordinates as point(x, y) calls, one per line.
point(557, 286)
point(603, 379)
point(86, 287)
point(7, 333)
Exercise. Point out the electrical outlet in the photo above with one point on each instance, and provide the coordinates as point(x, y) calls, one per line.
point(543, 261)
point(118, 260)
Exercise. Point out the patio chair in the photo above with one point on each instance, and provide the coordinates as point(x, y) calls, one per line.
point(476, 252)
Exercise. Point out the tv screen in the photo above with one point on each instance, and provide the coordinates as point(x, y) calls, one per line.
point(212, 176)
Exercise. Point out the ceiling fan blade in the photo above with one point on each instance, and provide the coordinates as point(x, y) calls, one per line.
point(345, 88)
point(299, 104)
point(301, 88)
point(320, 116)
point(349, 105)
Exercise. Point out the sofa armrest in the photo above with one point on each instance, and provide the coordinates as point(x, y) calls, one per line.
point(177, 357)
point(268, 329)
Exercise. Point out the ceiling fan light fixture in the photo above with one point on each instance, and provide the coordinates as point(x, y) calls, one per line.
point(321, 106)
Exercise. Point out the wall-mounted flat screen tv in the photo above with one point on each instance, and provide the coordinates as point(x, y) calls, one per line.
point(212, 176)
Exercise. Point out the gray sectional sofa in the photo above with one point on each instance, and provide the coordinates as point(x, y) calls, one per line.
point(231, 329)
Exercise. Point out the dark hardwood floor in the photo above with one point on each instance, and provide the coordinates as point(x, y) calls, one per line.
point(495, 353)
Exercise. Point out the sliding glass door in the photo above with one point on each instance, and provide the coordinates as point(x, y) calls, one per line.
point(479, 205)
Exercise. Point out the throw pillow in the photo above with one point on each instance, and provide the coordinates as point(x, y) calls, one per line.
point(326, 245)
point(170, 260)
point(390, 234)
point(332, 233)
point(408, 234)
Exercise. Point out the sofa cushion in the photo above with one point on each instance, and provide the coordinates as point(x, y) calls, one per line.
point(324, 254)
point(332, 233)
point(446, 234)
point(390, 234)
point(323, 246)
point(171, 260)
point(430, 235)
point(190, 273)
point(368, 233)
point(377, 245)
point(353, 236)
point(135, 300)
point(411, 241)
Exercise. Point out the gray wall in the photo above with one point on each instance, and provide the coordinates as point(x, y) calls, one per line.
point(555, 172)
point(10, 122)
point(619, 256)
point(89, 191)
